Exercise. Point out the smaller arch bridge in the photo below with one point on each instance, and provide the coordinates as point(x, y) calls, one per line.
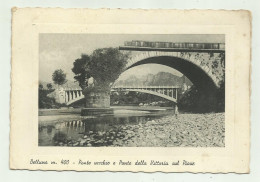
point(166, 92)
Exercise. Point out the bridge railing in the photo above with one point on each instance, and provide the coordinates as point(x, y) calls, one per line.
point(74, 94)
point(176, 45)
point(131, 87)
point(145, 87)
point(72, 89)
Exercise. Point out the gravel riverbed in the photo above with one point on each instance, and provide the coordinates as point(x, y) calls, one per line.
point(188, 130)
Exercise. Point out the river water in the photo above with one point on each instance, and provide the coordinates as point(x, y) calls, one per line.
point(68, 128)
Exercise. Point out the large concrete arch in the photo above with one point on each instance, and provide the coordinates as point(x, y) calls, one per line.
point(198, 70)
point(199, 74)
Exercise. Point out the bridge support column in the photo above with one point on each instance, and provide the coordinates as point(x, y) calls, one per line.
point(176, 92)
point(71, 95)
point(66, 97)
point(97, 102)
point(74, 94)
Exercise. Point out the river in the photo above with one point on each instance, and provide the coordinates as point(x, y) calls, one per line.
point(65, 127)
point(131, 127)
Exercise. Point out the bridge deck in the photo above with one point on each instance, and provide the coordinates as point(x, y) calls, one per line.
point(131, 48)
point(139, 45)
point(144, 87)
point(71, 97)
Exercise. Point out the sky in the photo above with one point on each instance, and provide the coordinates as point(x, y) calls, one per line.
point(59, 51)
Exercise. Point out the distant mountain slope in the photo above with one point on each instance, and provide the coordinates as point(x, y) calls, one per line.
point(159, 79)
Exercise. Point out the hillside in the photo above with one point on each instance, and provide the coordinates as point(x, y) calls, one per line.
point(159, 79)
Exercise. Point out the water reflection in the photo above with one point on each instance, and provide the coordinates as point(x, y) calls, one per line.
point(99, 131)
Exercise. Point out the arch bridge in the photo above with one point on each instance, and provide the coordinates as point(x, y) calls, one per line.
point(202, 63)
point(166, 92)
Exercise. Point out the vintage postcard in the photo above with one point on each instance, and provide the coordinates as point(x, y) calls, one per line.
point(130, 90)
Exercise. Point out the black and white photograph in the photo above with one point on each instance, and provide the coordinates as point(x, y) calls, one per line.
point(131, 90)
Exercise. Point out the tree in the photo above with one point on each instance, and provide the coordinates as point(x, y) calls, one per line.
point(43, 100)
point(106, 65)
point(190, 100)
point(221, 96)
point(40, 86)
point(59, 77)
point(103, 65)
point(49, 86)
point(81, 70)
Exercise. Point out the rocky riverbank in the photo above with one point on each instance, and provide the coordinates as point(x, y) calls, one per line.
point(188, 130)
